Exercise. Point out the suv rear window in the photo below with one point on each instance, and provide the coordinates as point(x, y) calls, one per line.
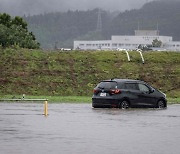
point(107, 85)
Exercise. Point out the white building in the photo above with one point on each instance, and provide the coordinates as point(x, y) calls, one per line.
point(141, 37)
point(173, 46)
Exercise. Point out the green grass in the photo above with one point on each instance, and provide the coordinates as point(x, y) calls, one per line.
point(76, 73)
point(53, 99)
point(71, 99)
point(173, 100)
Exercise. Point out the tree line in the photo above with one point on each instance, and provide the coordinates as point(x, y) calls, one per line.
point(62, 28)
point(14, 32)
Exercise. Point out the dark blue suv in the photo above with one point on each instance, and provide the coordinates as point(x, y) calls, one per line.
point(125, 93)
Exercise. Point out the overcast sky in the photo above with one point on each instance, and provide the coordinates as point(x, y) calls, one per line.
point(30, 7)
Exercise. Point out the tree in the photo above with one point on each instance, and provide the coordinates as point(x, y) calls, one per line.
point(14, 31)
point(5, 19)
point(156, 43)
point(3, 35)
point(140, 46)
point(19, 22)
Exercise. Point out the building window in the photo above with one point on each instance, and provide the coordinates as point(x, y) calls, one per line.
point(128, 45)
point(121, 45)
point(114, 44)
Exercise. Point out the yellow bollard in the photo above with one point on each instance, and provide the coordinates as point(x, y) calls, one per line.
point(45, 108)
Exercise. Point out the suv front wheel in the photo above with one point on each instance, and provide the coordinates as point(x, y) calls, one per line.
point(124, 104)
point(161, 104)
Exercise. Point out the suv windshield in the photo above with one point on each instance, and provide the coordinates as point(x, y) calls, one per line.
point(107, 85)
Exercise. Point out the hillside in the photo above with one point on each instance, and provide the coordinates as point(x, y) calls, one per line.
point(62, 28)
point(164, 15)
point(35, 72)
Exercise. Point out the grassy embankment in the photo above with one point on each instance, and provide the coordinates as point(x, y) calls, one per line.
point(54, 75)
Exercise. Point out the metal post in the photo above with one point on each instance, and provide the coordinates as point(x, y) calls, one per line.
point(128, 57)
point(45, 108)
point(141, 56)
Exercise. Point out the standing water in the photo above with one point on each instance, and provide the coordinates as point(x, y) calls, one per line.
point(80, 129)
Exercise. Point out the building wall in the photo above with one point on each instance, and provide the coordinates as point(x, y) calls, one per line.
point(127, 42)
point(93, 45)
point(174, 46)
point(132, 42)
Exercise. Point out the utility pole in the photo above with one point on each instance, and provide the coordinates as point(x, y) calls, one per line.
point(157, 28)
point(99, 21)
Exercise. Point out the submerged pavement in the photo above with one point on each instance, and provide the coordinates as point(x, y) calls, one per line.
point(80, 129)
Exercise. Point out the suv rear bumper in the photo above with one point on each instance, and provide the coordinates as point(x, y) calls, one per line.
point(96, 102)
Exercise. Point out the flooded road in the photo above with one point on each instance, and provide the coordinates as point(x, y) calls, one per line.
point(80, 129)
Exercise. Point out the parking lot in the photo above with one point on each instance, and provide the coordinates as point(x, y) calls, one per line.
point(79, 129)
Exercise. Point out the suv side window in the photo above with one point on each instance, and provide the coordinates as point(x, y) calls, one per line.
point(131, 86)
point(143, 87)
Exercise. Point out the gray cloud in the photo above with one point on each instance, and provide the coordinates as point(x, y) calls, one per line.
point(31, 7)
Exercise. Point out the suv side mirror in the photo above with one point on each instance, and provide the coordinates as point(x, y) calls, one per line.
point(151, 90)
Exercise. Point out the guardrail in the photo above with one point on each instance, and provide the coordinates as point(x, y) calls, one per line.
point(23, 99)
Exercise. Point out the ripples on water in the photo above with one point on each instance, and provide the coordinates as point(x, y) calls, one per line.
point(80, 129)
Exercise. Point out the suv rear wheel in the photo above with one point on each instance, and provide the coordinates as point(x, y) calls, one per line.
point(124, 104)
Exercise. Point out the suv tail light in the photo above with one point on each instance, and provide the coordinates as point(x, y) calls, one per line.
point(95, 91)
point(115, 91)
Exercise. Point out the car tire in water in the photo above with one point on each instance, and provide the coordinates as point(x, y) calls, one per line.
point(124, 104)
point(161, 104)
point(94, 106)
